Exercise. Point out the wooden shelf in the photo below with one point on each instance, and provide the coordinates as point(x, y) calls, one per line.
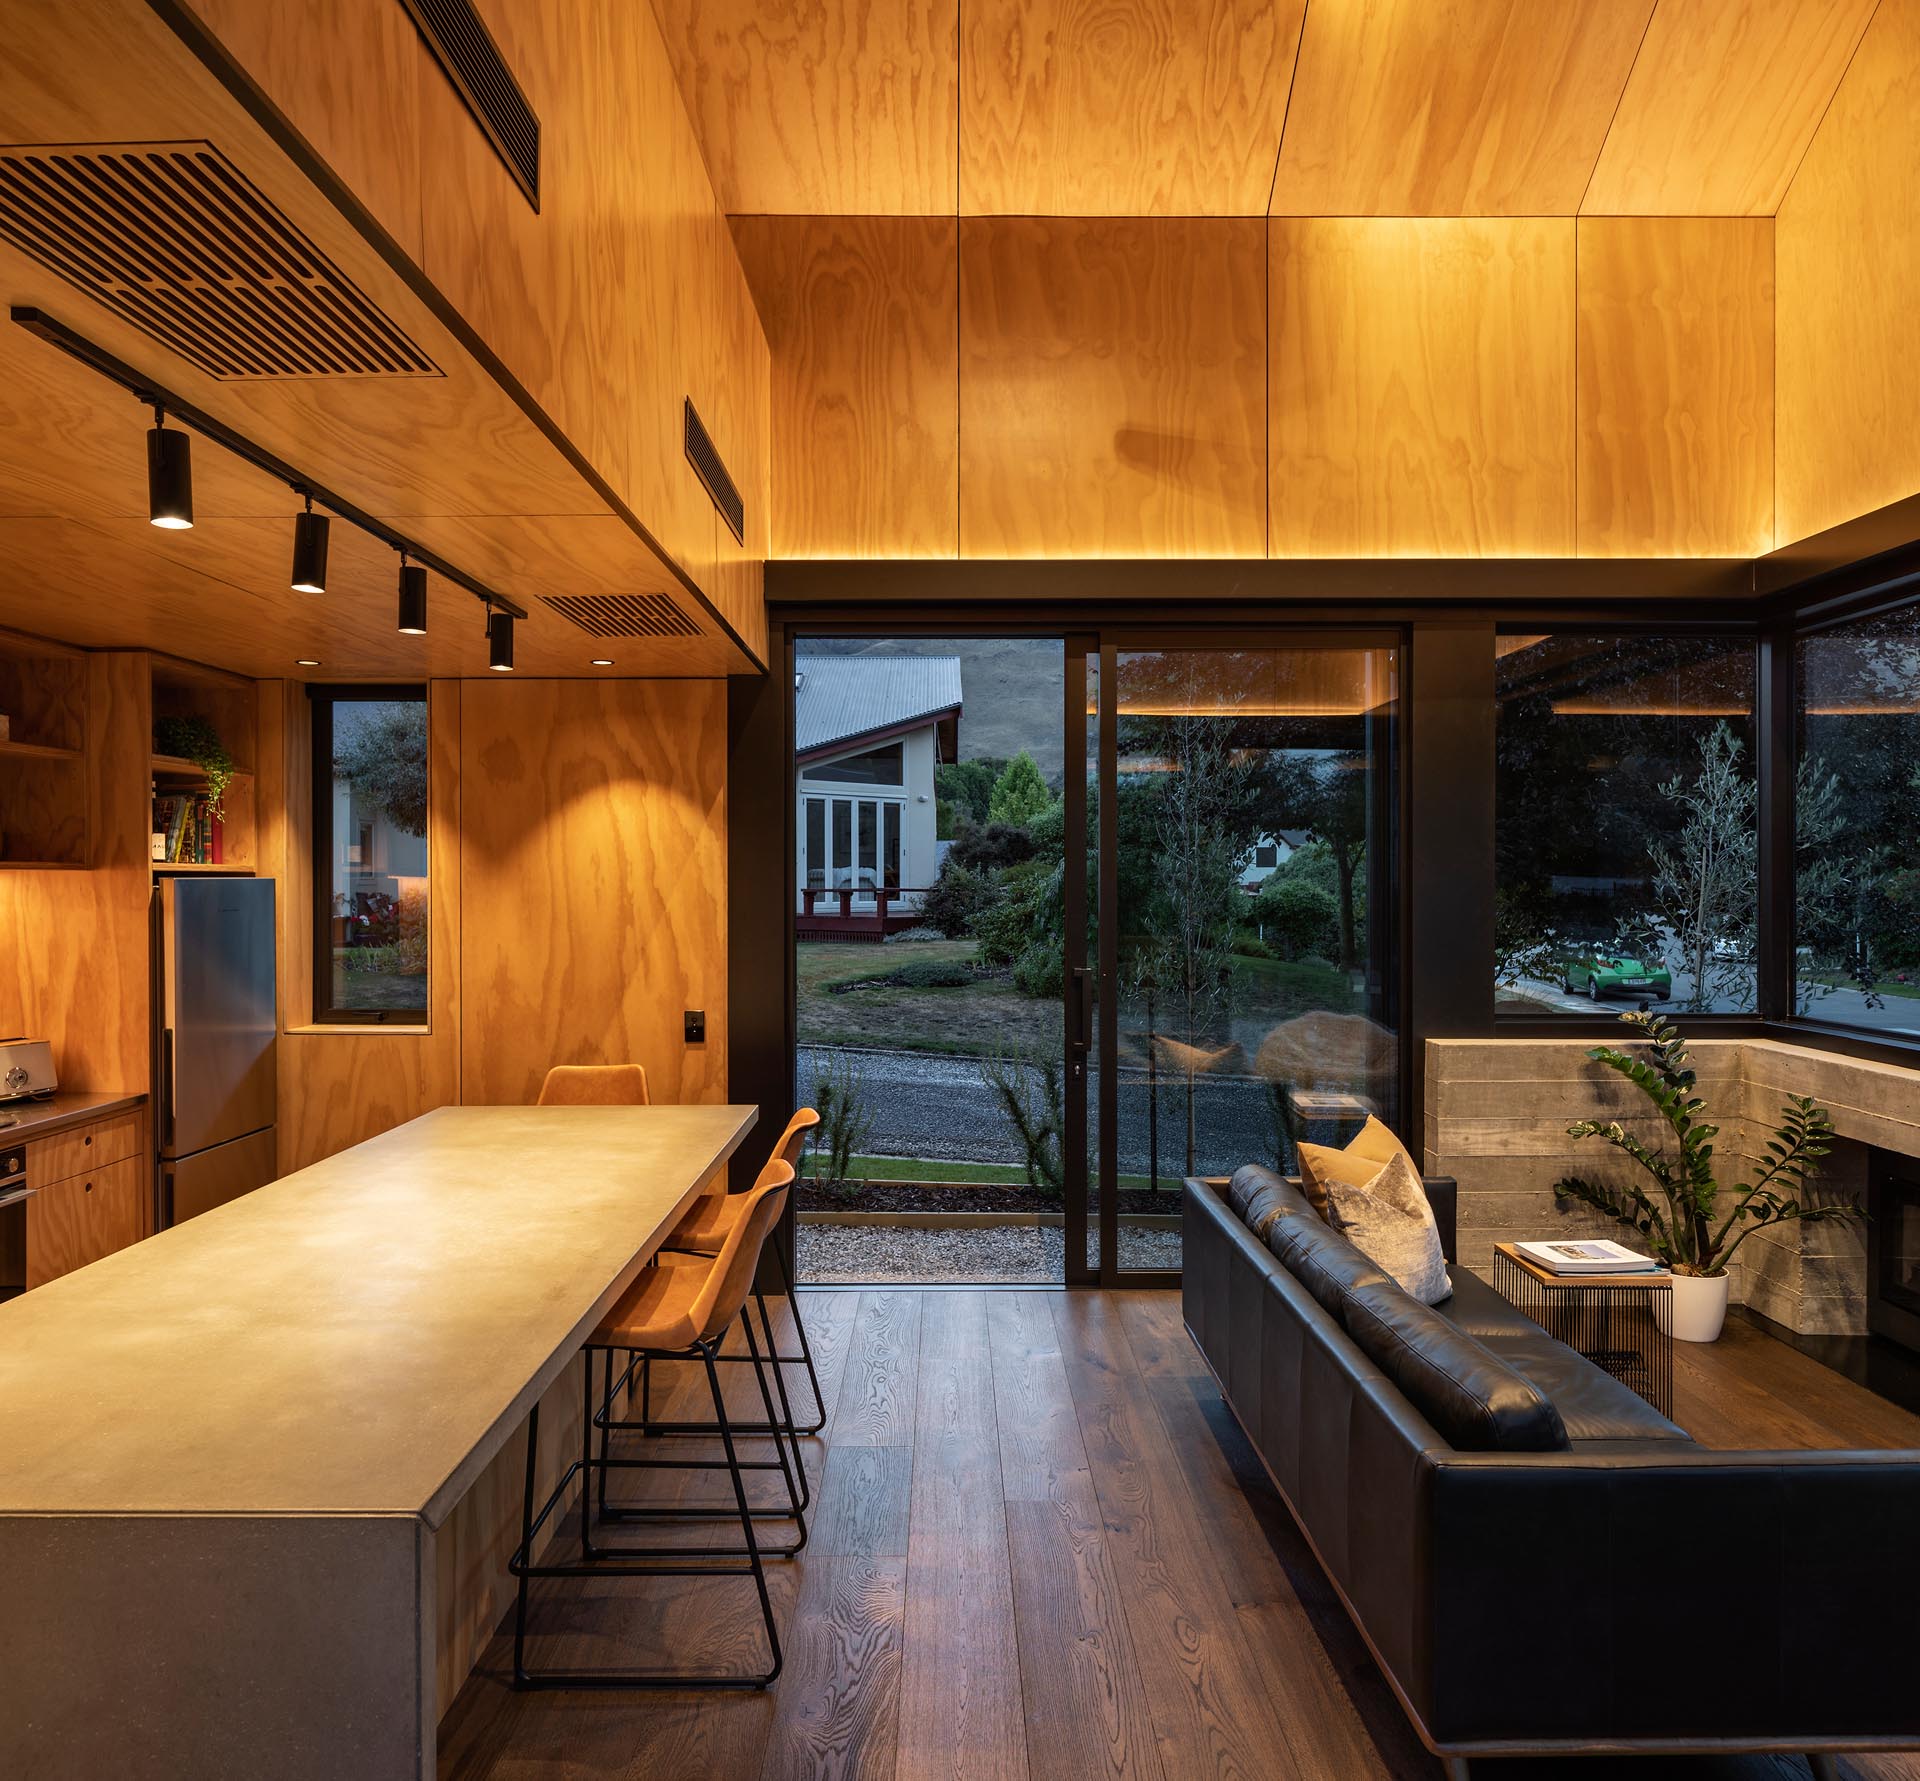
point(41, 866)
point(179, 767)
point(168, 868)
point(41, 751)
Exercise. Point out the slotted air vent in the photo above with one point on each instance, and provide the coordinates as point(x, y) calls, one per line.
point(705, 458)
point(176, 240)
point(623, 615)
point(464, 47)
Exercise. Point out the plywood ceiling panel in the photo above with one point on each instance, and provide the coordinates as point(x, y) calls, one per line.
point(1847, 256)
point(838, 106)
point(1722, 102)
point(1422, 387)
point(1452, 107)
point(1111, 387)
point(1675, 386)
point(1140, 108)
point(861, 314)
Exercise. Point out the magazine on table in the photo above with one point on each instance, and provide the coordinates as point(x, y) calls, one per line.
point(1587, 1255)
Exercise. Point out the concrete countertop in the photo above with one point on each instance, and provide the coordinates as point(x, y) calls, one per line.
point(358, 1338)
point(21, 1121)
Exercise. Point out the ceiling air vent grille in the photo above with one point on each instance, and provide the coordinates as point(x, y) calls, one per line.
point(174, 239)
point(465, 48)
point(624, 615)
point(705, 458)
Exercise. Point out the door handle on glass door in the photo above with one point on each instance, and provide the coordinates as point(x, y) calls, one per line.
point(1082, 1040)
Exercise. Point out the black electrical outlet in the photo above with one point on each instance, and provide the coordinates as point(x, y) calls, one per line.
point(696, 1026)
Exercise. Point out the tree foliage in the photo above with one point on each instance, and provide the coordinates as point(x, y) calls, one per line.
point(384, 760)
point(1019, 794)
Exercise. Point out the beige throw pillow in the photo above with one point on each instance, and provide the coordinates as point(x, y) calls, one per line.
point(1374, 1143)
point(1382, 1210)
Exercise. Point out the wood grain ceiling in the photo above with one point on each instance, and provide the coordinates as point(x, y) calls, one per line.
point(1234, 108)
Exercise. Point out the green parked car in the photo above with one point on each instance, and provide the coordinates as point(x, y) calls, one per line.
point(1602, 973)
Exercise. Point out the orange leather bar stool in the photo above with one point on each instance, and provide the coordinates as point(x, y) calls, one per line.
point(702, 1232)
point(594, 1085)
point(678, 1310)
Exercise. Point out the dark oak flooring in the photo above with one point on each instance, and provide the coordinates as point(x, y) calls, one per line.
point(1042, 1551)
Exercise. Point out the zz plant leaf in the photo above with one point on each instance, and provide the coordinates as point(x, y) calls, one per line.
point(1683, 1212)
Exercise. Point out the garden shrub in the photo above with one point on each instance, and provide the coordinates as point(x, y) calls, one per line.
point(933, 974)
point(987, 847)
point(956, 900)
point(1298, 916)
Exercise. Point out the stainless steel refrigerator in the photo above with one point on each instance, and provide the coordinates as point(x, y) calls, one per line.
point(213, 1039)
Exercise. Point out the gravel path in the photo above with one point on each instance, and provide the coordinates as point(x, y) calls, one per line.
point(861, 1253)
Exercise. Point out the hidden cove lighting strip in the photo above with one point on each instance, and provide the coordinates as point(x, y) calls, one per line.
point(170, 481)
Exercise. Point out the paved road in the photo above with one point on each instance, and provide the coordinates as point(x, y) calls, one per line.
point(1898, 1014)
point(940, 1108)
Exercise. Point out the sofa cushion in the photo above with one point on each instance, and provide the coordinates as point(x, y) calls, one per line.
point(1374, 1143)
point(1322, 1260)
point(1383, 1210)
point(1482, 1309)
point(1592, 1404)
point(1471, 1395)
point(1260, 1196)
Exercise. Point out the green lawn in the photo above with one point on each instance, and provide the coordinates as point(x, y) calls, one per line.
point(985, 1016)
point(1888, 988)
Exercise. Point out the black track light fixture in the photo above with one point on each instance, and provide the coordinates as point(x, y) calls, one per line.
point(169, 475)
point(413, 599)
point(500, 641)
point(309, 550)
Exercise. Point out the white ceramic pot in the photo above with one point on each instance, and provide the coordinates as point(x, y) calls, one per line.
point(1699, 1306)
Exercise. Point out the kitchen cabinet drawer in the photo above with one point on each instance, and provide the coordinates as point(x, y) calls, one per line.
point(94, 1146)
point(76, 1221)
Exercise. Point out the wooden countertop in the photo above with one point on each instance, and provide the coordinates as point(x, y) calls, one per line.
point(41, 1119)
point(358, 1338)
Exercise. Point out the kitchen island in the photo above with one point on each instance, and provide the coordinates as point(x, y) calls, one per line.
point(253, 1470)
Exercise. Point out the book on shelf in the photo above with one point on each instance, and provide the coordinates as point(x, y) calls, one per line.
point(186, 832)
point(1587, 1255)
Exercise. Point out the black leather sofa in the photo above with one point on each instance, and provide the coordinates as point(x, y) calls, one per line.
point(1540, 1561)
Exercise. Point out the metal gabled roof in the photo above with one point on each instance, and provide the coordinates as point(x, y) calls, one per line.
point(839, 699)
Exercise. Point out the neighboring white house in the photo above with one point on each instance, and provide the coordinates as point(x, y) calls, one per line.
point(868, 732)
point(1268, 855)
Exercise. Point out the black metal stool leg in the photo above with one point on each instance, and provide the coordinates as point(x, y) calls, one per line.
point(746, 1516)
point(806, 1348)
point(779, 1441)
point(525, 1554)
point(786, 1406)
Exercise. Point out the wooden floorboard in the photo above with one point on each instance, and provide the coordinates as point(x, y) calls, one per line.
point(1042, 1550)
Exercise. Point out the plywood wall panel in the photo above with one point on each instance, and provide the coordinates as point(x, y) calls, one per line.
point(1453, 107)
point(1675, 386)
point(593, 890)
point(843, 109)
point(1144, 108)
point(1724, 97)
point(861, 316)
point(1847, 260)
point(1422, 387)
point(1111, 387)
point(73, 945)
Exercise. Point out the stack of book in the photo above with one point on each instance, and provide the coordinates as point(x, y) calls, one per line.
point(186, 832)
point(1591, 1255)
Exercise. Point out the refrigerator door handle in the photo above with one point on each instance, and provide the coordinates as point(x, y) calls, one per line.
point(166, 1085)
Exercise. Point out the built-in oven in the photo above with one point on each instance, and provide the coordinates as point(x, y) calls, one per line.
point(14, 1194)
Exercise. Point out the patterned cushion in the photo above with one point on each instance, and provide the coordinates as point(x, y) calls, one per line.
point(1383, 1210)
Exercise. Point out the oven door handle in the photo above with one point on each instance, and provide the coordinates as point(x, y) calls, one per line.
point(18, 1194)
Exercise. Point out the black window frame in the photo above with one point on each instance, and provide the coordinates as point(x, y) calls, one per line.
point(322, 697)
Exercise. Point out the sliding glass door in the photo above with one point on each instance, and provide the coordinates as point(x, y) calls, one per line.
point(1235, 976)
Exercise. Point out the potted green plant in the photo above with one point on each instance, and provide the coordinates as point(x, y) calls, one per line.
point(194, 739)
point(1688, 1218)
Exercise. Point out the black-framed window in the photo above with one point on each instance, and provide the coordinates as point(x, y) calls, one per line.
point(1856, 822)
point(370, 856)
point(1626, 822)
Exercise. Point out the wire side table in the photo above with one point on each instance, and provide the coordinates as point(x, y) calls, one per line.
point(1623, 1323)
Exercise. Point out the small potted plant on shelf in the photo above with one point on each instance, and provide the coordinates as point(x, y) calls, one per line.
point(1688, 1218)
point(194, 739)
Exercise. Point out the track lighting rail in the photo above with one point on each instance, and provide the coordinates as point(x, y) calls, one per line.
point(149, 393)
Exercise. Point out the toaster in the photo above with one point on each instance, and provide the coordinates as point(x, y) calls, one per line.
point(26, 1068)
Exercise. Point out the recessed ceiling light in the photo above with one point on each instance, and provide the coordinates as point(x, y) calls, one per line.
point(305, 662)
point(601, 662)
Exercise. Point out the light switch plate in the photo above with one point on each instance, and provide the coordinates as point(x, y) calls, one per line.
point(696, 1026)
